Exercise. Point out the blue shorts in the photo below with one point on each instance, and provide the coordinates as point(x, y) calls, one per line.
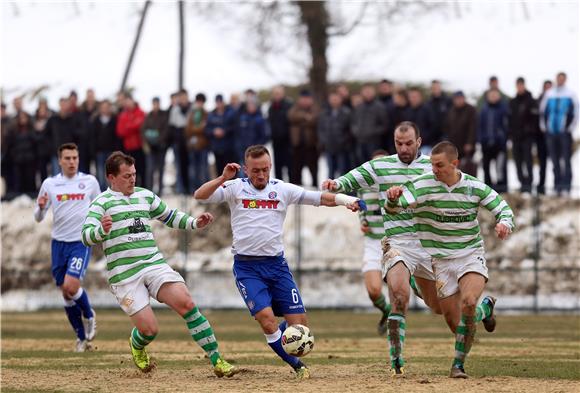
point(70, 258)
point(268, 282)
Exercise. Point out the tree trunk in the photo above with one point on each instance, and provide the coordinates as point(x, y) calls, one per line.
point(181, 43)
point(315, 17)
point(135, 43)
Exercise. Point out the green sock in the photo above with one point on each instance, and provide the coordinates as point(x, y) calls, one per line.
point(202, 333)
point(396, 337)
point(464, 339)
point(482, 311)
point(139, 340)
point(381, 304)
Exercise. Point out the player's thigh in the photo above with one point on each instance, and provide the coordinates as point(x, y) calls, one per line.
point(286, 297)
point(373, 283)
point(267, 320)
point(429, 293)
point(398, 279)
point(252, 286)
point(471, 286)
point(132, 296)
point(77, 257)
point(177, 296)
point(451, 309)
point(58, 262)
point(145, 321)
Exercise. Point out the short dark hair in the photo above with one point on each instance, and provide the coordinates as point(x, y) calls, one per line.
point(114, 162)
point(386, 81)
point(493, 78)
point(561, 73)
point(521, 80)
point(67, 146)
point(405, 126)
point(435, 81)
point(256, 151)
point(446, 147)
point(200, 97)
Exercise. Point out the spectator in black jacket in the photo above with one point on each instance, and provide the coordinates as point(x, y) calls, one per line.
point(439, 104)
point(420, 114)
point(334, 135)
point(280, 132)
point(155, 136)
point(523, 124)
point(61, 128)
point(43, 143)
point(369, 124)
point(104, 139)
point(385, 90)
point(6, 158)
point(398, 112)
point(22, 145)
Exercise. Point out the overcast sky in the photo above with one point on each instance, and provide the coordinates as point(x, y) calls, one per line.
point(70, 47)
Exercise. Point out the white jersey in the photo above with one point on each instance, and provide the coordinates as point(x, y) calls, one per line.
point(258, 215)
point(70, 199)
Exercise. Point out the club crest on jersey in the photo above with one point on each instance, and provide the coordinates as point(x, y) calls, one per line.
point(70, 197)
point(272, 195)
point(137, 226)
point(82, 186)
point(259, 204)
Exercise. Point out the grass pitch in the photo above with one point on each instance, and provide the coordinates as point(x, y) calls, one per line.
point(539, 353)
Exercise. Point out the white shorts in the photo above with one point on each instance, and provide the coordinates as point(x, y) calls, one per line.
point(409, 252)
point(449, 271)
point(134, 295)
point(372, 255)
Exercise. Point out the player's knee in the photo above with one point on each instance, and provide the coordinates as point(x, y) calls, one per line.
point(468, 304)
point(400, 300)
point(374, 292)
point(149, 330)
point(69, 290)
point(186, 306)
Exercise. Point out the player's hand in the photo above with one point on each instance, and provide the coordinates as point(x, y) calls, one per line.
point(42, 200)
point(364, 228)
point(356, 206)
point(204, 220)
point(394, 193)
point(502, 231)
point(230, 170)
point(329, 185)
point(107, 223)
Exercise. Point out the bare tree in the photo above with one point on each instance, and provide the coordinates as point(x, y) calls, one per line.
point(135, 44)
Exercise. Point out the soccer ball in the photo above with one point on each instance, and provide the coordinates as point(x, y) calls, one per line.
point(297, 340)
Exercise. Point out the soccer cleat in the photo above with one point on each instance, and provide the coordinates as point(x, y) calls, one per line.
point(91, 327)
point(302, 373)
point(224, 369)
point(82, 346)
point(382, 325)
point(457, 372)
point(414, 287)
point(397, 370)
point(489, 322)
point(141, 358)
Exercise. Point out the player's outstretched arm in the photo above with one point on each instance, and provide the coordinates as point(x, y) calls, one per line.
point(329, 185)
point(41, 207)
point(207, 189)
point(351, 203)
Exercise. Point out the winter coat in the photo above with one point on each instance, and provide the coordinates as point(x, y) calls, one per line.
point(104, 135)
point(224, 121)
point(155, 130)
point(251, 130)
point(303, 124)
point(460, 127)
point(523, 117)
point(22, 144)
point(438, 106)
point(421, 116)
point(492, 124)
point(278, 119)
point(334, 130)
point(129, 128)
point(369, 122)
point(62, 130)
point(195, 130)
point(559, 110)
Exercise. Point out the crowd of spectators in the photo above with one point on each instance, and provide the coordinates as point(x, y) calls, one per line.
point(347, 129)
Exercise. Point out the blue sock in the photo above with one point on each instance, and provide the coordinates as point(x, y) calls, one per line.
point(275, 342)
point(82, 300)
point(283, 325)
point(73, 312)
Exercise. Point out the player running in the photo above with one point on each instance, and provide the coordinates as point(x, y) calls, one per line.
point(409, 259)
point(70, 193)
point(258, 206)
point(120, 218)
point(446, 202)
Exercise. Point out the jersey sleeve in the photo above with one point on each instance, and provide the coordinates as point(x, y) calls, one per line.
point(92, 232)
point(173, 218)
point(95, 188)
point(362, 177)
point(39, 213)
point(297, 195)
point(493, 202)
point(224, 193)
point(406, 200)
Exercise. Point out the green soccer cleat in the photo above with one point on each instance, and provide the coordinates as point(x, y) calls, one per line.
point(458, 372)
point(224, 369)
point(489, 322)
point(414, 287)
point(397, 370)
point(302, 373)
point(141, 358)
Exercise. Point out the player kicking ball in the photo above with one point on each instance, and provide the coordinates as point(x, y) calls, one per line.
point(120, 218)
point(69, 194)
point(258, 207)
point(445, 205)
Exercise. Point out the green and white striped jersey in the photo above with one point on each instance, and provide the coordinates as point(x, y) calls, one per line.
point(386, 172)
point(446, 217)
point(374, 213)
point(130, 247)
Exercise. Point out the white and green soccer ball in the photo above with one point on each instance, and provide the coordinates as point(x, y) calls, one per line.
point(297, 340)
